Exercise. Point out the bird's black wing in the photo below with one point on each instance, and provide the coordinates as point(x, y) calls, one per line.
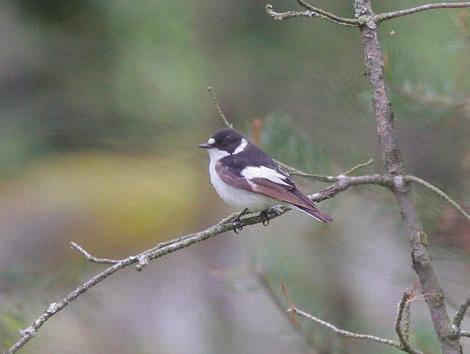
point(254, 171)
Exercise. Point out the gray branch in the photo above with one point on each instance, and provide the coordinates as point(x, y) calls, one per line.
point(441, 5)
point(458, 318)
point(394, 166)
point(400, 325)
point(440, 193)
point(165, 248)
point(312, 12)
point(364, 19)
point(343, 332)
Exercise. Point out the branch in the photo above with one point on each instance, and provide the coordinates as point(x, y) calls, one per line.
point(312, 12)
point(219, 110)
point(342, 332)
point(442, 5)
point(458, 318)
point(370, 20)
point(330, 179)
point(402, 323)
point(165, 248)
point(394, 166)
point(295, 172)
point(91, 258)
point(402, 345)
point(440, 193)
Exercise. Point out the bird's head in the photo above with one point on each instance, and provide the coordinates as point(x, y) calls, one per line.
point(225, 142)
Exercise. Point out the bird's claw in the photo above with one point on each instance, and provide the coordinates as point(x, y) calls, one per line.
point(265, 218)
point(238, 227)
point(238, 224)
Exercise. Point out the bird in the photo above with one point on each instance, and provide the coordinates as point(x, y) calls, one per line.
point(246, 177)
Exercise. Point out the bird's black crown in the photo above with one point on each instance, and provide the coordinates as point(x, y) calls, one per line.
point(227, 139)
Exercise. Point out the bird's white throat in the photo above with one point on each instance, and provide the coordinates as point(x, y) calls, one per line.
point(215, 155)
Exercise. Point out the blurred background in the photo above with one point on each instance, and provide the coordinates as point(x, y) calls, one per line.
point(101, 106)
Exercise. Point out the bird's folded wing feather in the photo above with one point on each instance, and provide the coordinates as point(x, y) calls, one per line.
point(265, 181)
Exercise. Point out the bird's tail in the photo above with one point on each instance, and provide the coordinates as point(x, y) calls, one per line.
point(315, 213)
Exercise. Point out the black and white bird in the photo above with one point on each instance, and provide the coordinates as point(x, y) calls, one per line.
point(246, 177)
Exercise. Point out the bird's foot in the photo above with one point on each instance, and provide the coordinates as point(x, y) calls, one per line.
point(265, 217)
point(238, 222)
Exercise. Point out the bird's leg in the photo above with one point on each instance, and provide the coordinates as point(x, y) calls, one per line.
point(237, 221)
point(264, 216)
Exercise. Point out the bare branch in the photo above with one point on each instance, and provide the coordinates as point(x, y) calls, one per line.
point(440, 193)
point(357, 167)
point(219, 110)
point(286, 15)
point(402, 323)
point(402, 308)
point(342, 332)
point(295, 172)
point(465, 333)
point(458, 318)
point(394, 166)
point(165, 248)
point(312, 12)
point(352, 22)
point(441, 5)
point(91, 258)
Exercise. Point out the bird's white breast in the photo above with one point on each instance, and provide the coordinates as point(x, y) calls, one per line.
point(235, 196)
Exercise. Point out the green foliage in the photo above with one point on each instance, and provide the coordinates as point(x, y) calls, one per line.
point(286, 143)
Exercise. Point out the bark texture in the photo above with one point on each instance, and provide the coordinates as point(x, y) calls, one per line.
point(394, 167)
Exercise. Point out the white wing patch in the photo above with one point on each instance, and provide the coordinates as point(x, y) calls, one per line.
point(264, 172)
point(241, 147)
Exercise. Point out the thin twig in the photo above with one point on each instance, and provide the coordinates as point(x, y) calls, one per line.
point(403, 345)
point(342, 332)
point(312, 12)
point(295, 172)
point(219, 110)
point(91, 258)
point(441, 5)
point(440, 193)
point(165, 248)
point(401, 327)
point(357, 167)
point(352, 22)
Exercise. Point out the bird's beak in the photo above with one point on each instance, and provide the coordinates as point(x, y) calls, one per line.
point(205, 146)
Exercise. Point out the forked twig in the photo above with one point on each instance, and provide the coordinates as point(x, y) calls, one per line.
point(402, 345)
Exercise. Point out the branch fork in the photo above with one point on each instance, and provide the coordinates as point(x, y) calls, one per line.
point(362, 16)
point(339, 184)
point(402, 324)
